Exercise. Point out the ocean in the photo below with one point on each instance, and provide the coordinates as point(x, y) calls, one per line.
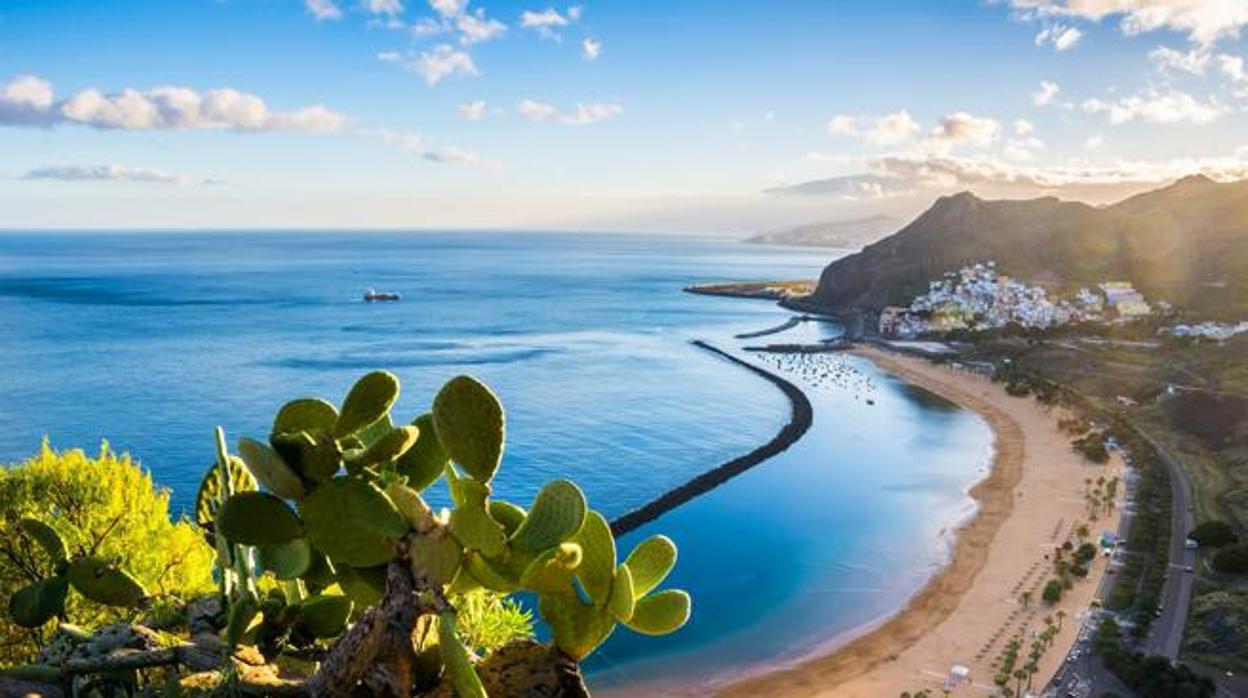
point(150, 340)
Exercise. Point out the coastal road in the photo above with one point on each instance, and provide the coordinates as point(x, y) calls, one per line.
point(1165, 637)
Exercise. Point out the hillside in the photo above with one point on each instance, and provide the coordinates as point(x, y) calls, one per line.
point(843, 234)
point(1186, 243)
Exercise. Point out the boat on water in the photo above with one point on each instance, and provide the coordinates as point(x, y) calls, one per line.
point(373, 296)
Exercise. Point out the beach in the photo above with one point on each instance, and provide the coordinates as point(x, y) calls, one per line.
point(1029, 503)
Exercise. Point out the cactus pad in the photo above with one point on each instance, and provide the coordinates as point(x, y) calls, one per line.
point(239, 619)
point(208, 498)
point(578, 629)
point(622, 602)
point(103, 583)
point(470, 520)
point(551, 571)
point(369, 400)
point(489, 575)
point(325, 615)
point(597, 568)
point(411, 506)
point(270, 470)
point(364, 585)
point(470, 425)
point(557, 514)
point(507, 514)
point(459, 667)
point(307, 414)
point(353, 522)
point(425, 461)
point(389, 446)
point(650, 562)
point(257, 518)
point(289, 560)
point(661, 613)
point(34, 605)
point(314, 455)
point(436, 556)
point(46, 537)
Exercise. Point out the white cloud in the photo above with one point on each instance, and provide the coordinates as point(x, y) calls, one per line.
point(1232, 67)
point(106, 173)
point(1154, 106)
point(584, 114)
point(382, 7)
point(1023, 128)
point(322, 10)
point(1022, 148)
point(963, 129)
point(448, 8)
point(416, 144)
point(1060, 36)
point(574, 12)
point(591, 48)
point(474, 28)
point(28, 100)
point(430, 26)
point(436, 64)
point(888, 130)
point(472, 111)
point(1094, 142)
point(546, 22)
point(1194, 61)
point(1203, 21)
point(1046, 94)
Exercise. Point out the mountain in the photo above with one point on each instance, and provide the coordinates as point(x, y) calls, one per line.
point(843, 234)
point(1186, 243)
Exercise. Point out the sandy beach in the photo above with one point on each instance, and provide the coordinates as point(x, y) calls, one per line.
point(1028, 504)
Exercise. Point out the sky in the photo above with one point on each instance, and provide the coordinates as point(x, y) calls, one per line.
point(725, 116)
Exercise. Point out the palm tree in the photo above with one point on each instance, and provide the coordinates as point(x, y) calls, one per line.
point(1061, 615)
point(1025, 598)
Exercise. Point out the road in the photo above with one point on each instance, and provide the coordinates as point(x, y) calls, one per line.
point(1165, 637)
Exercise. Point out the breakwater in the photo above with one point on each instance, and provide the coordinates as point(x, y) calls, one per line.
point(800, 417)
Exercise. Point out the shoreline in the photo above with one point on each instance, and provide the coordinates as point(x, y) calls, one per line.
point(938, 598)
point(952, 613)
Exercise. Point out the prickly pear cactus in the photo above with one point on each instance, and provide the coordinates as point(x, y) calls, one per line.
point(332, 508)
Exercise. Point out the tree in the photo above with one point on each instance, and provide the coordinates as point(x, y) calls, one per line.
point(1213, 534)
point(1232, 559)
point(1025, 598)
point(106, 506)
point(1052, 592)
point(1061, 615)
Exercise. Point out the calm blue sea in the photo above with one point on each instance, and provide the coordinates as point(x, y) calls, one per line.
point(150, 340)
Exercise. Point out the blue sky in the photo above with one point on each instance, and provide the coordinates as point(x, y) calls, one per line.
point(354, 113)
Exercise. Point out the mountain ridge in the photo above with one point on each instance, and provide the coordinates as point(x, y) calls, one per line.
point(1186, 242)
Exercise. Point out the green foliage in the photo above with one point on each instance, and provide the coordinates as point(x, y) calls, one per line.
point(1092, 446)
point(1052, 592)
point(345, 529)
point(102, 508)
point(1149, 675)
point(1232, 559)
point(1212, 534)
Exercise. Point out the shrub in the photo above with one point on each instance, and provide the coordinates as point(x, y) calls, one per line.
point(107, 504)
point(1233, 559)
point(1092, 447)
point(1212, 534)
point(1052, 592)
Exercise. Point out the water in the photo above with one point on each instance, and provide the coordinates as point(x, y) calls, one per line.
point(151, 340)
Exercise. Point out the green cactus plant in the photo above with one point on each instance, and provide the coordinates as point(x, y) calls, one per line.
point(270, 470)
point(368, 401)
point(470, 426)
point(258, 518)
point(306, 414)
point(335, 552)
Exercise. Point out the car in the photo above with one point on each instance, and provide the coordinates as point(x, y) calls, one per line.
point(1189, 568)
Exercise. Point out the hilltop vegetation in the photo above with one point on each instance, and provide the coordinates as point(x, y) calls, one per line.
point(1186, 243)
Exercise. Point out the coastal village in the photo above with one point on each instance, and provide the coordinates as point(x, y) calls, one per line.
point(977, 297)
